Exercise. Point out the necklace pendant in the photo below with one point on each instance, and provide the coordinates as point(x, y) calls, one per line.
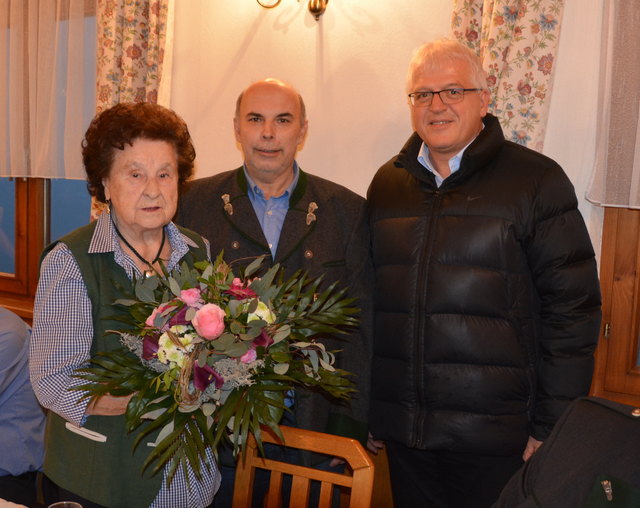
point(149, 273)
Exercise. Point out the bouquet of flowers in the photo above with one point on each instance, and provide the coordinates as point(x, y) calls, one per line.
point(211, 357)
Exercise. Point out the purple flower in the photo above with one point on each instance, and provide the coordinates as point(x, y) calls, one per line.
point(262, 340)
point(204, 376)
point(179, 318)
point(150, 347)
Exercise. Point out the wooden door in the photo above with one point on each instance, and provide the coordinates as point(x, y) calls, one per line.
point(617, 374)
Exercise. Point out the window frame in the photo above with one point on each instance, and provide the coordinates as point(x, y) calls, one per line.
point(17, 290)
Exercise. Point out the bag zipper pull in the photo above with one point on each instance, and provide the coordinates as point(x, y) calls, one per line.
point(608, 491)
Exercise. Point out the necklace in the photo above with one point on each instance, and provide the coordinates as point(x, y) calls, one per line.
point(147, 273)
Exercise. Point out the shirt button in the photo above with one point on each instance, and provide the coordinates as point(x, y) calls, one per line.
point(235, 245)
point(308, 254)
point(271, 246)
point(269, 212)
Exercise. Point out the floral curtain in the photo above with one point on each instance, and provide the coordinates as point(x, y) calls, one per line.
point(133, 39)
point(616, 175)
point(47, 59)
point(131, 50)
point(517, 41)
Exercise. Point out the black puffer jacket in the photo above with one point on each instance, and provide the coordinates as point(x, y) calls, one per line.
point(487, 299)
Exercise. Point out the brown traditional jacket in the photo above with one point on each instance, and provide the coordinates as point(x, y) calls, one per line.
point(324, 233)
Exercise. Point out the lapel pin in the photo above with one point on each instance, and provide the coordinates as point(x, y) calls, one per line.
point(310, 215)
point(228, 207)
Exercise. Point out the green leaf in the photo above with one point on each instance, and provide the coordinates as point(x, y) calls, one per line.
point(283, 332)
point(166, 430)
point(280, 357)
point(208, 409)
point(152, 415)
point(174, 286)
point(236, 307)
point(236, 327)
point(281, 368)
point(236, 349)
point(253, 266)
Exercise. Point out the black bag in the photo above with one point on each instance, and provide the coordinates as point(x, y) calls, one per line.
point(591, 459)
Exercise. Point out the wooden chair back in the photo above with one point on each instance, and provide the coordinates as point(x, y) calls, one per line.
point(356, 482)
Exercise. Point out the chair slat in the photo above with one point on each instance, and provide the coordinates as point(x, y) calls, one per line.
point(300, 487)
point(274, 495)
point(358, 476)
point(326, 490)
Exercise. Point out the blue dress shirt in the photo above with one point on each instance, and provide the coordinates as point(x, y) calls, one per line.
point(22, 419)
point(271, 212)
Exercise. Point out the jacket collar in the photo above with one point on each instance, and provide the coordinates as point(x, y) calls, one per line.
point(479, 153)
point(298, 224)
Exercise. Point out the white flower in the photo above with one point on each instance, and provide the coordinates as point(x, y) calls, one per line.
point(168, 351)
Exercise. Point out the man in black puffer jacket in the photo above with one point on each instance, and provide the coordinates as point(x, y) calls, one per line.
point(487, 297)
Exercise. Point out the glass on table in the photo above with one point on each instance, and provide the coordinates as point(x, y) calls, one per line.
point(65, 504)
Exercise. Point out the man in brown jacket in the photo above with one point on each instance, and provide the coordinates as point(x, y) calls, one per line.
point(271, 207)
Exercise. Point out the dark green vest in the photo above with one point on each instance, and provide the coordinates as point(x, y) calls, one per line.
point(107, 473)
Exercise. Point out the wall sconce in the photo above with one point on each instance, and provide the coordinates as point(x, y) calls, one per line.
point(316, 7)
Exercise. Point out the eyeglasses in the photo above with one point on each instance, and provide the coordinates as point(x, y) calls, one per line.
point(447, 96)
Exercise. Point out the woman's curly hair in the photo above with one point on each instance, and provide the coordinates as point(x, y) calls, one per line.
point(121, 125)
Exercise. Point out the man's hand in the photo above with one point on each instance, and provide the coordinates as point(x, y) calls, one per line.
point(532, 447)
point(373, 445)
point(108, 405)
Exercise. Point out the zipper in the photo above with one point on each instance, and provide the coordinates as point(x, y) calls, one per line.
point(423, 267)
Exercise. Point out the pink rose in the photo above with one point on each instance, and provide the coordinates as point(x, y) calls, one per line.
point(152, 317)
point(191, 297)
point(249, 356)
point(209, 321)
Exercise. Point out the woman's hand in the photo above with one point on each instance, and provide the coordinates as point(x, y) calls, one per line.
point(109, 405)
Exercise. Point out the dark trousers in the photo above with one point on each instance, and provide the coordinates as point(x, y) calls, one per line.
point(53, 493)
point(19, 489)
point(443, 479)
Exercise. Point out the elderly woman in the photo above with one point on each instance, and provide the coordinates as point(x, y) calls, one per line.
point(137, 157)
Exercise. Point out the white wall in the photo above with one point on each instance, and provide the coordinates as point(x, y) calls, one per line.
point(350, 68)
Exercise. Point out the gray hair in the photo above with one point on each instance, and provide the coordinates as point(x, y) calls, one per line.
point(442, 51)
